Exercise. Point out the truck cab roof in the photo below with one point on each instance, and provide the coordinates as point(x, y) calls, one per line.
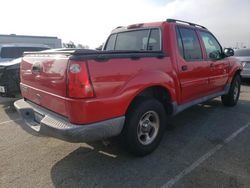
point(156, 24)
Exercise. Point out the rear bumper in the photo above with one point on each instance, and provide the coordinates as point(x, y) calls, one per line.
point(44, 122)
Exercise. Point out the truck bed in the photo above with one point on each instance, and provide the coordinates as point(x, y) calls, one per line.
point(110, 73)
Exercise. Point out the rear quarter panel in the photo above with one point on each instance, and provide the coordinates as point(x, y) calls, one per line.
point(117, 81)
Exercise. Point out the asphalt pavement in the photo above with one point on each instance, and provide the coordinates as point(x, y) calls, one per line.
point(207, 145)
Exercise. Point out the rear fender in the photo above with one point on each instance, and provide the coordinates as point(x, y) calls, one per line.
point(146, 80)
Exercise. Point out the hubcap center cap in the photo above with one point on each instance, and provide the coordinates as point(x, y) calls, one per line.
point(146, 127)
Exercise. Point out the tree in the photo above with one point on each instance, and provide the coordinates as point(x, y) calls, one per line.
point(70, 44)
point(82, 46)
point(100, 47)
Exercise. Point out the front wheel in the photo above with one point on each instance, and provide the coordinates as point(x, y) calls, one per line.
point(232, 97)
point(144, 126)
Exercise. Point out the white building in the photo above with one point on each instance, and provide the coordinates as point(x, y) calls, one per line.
point(52, 42)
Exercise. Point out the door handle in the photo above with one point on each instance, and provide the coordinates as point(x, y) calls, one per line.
point(212, 65)
point(184, 67)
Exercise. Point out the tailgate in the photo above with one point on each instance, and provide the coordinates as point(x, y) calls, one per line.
point(44, 80)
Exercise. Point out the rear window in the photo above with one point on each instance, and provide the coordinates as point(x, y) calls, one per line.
point(16, 52)
point(242, 52)
point(139, 40)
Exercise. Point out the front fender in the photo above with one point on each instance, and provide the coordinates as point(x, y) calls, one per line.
point(235, 66)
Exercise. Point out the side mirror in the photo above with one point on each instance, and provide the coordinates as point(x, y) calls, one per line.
point(229, 52)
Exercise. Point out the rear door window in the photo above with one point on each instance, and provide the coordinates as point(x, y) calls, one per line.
point(179, 42)
point(190, 43)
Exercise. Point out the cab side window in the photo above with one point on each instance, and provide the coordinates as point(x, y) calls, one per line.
point(213, 48)
point(190, 44)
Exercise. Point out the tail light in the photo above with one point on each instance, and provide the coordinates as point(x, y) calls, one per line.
point(79, 84)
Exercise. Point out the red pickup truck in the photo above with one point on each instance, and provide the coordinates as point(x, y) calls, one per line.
point(144, 74)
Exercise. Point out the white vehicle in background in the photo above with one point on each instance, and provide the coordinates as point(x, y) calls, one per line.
point(244, 56)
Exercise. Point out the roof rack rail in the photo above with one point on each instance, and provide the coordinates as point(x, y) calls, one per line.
point(181, 21)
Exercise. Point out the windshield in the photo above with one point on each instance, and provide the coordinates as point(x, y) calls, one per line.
point(242, 52)
point(138, 40)
point(15, 52)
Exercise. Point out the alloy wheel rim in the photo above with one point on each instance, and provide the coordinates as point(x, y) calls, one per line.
point(148, 127)
point(236, 91)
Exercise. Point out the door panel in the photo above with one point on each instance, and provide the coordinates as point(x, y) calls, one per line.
point(218, 74)
point(219, 66)
point(194, 80)
point(193, 70)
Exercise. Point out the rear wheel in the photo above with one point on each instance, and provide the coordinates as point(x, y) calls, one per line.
point(144, 126)
point(232, 97)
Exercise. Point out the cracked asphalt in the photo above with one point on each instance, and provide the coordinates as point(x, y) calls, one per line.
point(30, 161)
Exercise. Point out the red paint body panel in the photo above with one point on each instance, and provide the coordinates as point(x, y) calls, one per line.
point(117, 81)
point(48, 87)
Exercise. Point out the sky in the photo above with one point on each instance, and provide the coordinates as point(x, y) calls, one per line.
point(89, 22)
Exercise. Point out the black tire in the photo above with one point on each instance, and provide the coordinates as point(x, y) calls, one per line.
point(145, 108)
point(233, 95)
